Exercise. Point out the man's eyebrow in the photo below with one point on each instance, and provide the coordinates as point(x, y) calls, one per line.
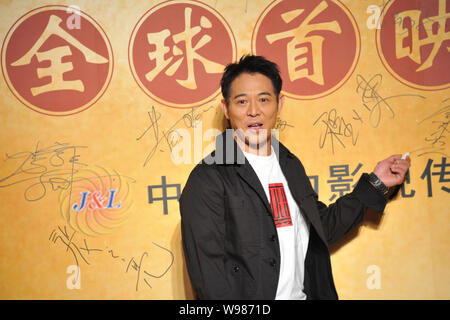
point(264, 93)
point(240, 95)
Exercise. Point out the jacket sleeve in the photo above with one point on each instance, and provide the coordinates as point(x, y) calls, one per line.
point(203, 232)
point(348, 211)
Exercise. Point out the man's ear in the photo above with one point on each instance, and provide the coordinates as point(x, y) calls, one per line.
point(280, 103)
point(224, 106)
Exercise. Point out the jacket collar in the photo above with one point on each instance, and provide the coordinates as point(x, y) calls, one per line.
point(228, 153)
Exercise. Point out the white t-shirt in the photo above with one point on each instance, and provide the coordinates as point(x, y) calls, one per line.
point(292, 229)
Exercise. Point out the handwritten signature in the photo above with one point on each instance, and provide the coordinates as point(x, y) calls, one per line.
point(373, 101)
point(336, 128)
point(425, 20)
point(170, 137)
point(436, 141)
point(53, 166)
point(282, 125)
point(82, 252)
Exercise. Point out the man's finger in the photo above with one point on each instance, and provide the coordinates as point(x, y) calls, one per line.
point(393, 158)
point(401, 166)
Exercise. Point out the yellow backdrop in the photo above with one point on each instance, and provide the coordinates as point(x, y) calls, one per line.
point(106, 106)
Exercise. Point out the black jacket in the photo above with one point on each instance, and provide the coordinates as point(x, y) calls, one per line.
point(229, 236)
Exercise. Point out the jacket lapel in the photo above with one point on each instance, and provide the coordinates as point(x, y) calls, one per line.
point(228, 153)
point(301, 190)
point(247, 173)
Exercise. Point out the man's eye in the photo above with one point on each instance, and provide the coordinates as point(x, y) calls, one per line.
point(264, 99)
point(241, 101)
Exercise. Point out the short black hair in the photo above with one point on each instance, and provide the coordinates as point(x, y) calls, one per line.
point(250, 64)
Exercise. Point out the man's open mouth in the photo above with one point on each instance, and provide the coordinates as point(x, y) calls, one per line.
point(255, 126)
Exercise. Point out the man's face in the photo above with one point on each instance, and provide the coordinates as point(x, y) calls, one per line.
point(252, 110)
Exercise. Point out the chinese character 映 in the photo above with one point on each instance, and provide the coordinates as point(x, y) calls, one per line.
point(413, 49)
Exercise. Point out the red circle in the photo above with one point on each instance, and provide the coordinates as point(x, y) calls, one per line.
point(20, 79)
point(168, 19)
point(403, 27)
point(340, 47)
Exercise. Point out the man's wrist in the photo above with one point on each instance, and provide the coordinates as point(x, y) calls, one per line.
point(378, 184)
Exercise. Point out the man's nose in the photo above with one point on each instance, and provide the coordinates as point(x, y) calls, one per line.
point(253, 109)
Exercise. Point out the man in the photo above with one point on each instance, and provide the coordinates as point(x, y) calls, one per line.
point(252, 226)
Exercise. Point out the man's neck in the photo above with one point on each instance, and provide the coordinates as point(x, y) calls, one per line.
point(262, 149)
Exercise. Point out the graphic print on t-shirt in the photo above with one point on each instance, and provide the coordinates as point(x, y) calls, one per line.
point(280, 206)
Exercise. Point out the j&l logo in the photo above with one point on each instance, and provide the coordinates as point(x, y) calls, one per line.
point(97, 202)
point(178, 51)
point(316, 43)
point(48, 60)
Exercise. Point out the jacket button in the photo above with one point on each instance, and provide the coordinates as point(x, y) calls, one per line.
point(273, 238)
point(273, 262)
point(236, 268)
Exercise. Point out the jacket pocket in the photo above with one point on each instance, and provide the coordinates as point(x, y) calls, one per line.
point(242, 223)
point(241, 279)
